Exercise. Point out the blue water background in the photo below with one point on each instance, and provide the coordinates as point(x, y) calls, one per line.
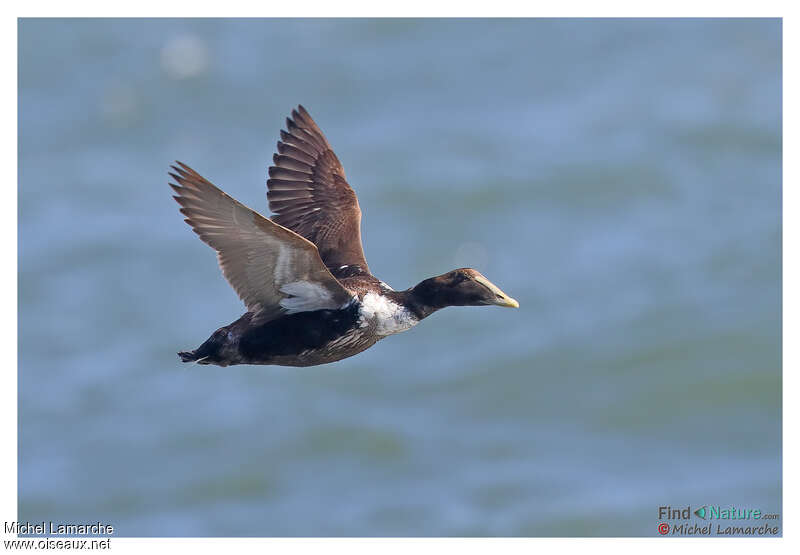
point(620, 178)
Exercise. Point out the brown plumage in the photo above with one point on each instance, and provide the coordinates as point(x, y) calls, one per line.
point(302, 275)
point(248, 246)
point(309, 194)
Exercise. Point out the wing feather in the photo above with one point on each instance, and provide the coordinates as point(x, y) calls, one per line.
point(309, 194)
point(264, 262)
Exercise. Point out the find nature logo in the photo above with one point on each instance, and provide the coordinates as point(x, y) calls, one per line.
point(716, 520)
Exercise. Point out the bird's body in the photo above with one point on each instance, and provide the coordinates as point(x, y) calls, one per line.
point(308, 338)
point(310, 296)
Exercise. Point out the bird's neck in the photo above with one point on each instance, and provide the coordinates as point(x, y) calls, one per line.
point(422, 300)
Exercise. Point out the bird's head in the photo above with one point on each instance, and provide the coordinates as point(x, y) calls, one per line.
point(461, 287)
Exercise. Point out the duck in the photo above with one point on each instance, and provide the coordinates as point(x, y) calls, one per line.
point(302, 274)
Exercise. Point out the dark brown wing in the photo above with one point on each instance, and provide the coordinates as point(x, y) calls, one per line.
point(271, 268)
point(309, 194)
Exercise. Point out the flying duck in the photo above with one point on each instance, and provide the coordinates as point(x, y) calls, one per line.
point(302, 275)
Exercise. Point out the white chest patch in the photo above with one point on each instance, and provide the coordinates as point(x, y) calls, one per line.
point(387, 317)
point(305, 296)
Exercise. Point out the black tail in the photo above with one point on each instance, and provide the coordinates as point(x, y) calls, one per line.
point(196, 356)
point(188, 356)
point(209, 351)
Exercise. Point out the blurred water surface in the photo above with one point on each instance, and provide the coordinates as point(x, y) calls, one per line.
point(620, 178)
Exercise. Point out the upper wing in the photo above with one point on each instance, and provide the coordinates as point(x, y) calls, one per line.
point(270, 268)
point(309, 194)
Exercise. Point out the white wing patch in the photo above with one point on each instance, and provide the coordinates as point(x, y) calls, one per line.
point(282, 270)
point(306, 296)
point(387, 317)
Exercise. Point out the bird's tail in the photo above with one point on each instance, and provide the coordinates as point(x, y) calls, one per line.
point(192, 356)
point(187, 356)
point(209, 351)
